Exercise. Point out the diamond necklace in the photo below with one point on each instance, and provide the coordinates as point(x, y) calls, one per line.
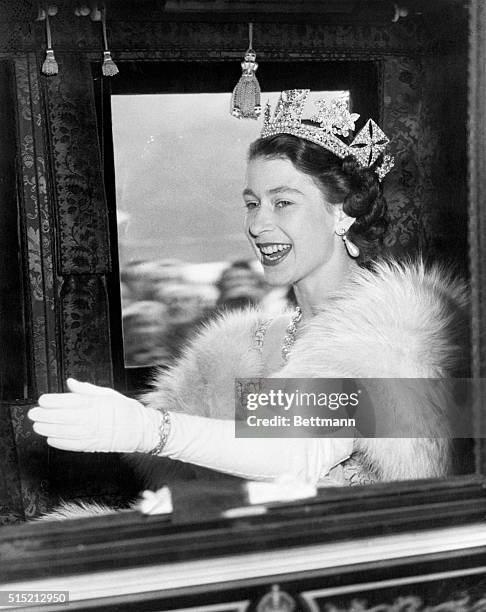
point(289, 340)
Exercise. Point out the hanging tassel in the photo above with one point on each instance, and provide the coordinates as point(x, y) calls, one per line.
point(50, 65)
point(109, 68)
point(245, 101)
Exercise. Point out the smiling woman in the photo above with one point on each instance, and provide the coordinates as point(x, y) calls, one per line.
point(293, 221)
point(311, 200)
point(287, 214)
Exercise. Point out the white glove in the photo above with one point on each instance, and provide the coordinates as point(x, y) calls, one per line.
point(95, 419)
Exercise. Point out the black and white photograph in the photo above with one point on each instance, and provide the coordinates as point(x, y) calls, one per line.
point(243, 305)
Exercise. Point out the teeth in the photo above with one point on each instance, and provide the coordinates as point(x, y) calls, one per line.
point(274, 248)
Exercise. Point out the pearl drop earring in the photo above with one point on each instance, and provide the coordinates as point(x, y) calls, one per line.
point(351, 248)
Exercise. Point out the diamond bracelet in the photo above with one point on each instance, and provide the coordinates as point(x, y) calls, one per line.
point(164, 431)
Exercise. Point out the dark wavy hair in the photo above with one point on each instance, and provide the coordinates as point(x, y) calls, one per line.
point(339, 180)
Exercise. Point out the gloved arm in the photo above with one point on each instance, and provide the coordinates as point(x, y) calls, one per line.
point(98, 419)
point(211, 443)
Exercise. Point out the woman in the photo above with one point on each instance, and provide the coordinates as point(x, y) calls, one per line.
point(315, 215)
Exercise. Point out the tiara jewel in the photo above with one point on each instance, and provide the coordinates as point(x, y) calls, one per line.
point(334, 116)
point(385, 166)
point(331, 122)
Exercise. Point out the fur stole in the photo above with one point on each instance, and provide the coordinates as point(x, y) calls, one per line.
point(397, 321)
point(77, 509)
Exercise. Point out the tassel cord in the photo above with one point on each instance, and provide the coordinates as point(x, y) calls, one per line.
point(48, 33)
point(103, 27)
point(250, 38)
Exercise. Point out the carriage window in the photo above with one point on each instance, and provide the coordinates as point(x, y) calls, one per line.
point(179, 169)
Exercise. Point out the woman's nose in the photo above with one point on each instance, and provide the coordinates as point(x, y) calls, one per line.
point(261, 221)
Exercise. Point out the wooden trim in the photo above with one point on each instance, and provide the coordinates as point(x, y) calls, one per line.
point(311, 596)
point(196, 530)
point(477, 210)
point(359, 553)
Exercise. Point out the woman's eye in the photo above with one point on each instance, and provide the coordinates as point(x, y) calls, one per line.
point(251, 205)
point(282, 204)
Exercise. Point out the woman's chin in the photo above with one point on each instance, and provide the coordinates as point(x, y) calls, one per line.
point(277, 278)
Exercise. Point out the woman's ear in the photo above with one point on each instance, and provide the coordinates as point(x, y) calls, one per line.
point(343, 221)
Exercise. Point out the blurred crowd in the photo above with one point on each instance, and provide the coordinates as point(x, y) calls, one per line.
point(164, 302)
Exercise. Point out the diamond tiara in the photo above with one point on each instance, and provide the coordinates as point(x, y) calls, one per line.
point(331, 121)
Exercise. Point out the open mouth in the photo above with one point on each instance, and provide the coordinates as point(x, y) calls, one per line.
point(272, 253)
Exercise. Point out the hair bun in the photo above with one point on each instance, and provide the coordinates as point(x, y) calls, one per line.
point(365, 187)
point(366, 203)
